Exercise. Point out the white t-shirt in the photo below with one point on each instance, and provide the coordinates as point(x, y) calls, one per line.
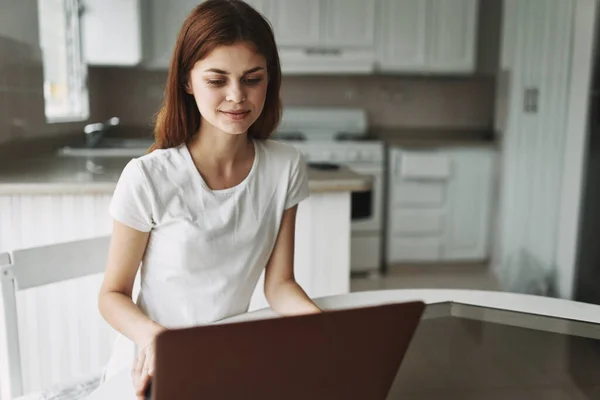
point(207, 248)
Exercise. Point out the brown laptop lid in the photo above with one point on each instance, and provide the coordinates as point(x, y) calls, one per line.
point(345, 354)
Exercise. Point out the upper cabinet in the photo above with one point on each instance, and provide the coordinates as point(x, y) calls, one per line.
point(431, 36)
point(452, 40)
point(162, 22)
point(111, 32)
point(349, 23)
point(320, 23)
point(314, 36)
point(296, 23)
point(323, 36)
point(402, 39)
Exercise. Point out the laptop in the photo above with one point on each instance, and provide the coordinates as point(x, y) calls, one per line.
point(343, 354)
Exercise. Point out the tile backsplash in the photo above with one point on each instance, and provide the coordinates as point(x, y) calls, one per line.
point(22, 113)
point(135, 94)
point(391, 101)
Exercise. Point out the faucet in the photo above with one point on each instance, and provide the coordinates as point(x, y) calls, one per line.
point(95, 132)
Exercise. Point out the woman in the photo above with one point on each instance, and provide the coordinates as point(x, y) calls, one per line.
point(214, 202)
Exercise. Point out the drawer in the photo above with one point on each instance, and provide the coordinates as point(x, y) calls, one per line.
point(418, 165)
point(414, 249)
point(417, 222)
point(409, 193)
point(365, 253)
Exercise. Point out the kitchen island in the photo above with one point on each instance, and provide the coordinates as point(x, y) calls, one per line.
point(46, 199)
point(476, 345)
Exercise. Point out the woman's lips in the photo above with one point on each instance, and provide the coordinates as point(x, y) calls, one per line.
point(236, 115)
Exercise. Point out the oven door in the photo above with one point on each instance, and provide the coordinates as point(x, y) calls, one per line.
point(367, 206)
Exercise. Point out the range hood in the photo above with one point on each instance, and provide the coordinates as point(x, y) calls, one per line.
point(326, 61)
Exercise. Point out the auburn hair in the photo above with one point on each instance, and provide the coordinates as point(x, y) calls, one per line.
point(211, 24)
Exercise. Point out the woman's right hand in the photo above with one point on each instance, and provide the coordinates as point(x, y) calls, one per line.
point(142, 369)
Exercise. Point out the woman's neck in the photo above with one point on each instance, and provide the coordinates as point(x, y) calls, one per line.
point(220, 151)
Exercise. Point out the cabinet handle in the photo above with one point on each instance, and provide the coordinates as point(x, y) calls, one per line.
point(531, 100)
point(323, 52)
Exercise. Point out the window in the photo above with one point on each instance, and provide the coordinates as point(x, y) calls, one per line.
point(65, 88)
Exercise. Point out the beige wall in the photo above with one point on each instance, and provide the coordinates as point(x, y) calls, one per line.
point(21, 76)
point(391, 101)
point(135, 94)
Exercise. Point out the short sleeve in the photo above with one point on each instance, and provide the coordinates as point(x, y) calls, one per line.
point(298, 184)
point(131, 203)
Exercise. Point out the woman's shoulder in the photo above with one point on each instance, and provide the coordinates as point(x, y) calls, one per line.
point(281, 151)
point(173, 156)
point(159, 164)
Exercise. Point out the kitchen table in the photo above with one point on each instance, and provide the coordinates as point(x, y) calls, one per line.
point(476, 345)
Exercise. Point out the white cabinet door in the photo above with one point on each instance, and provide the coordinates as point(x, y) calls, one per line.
point(452, 35)
point(433, 219)
point(297, 22)
point(402, 35)
point(165, 21)
point(469, 205)
point(111, 32)
point(349, 23)
point(265, 7)
point(538, 51)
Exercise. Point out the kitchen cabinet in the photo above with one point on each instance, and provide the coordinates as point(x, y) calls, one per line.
point(469, 205)
point(402, 35)
point(322, 36)
point(162, 22)
point(315, 24)
point(111, 32)
point(440, 204)
point(349, 23)
point(132, 32)
point(431, 36)
point(297, 23)
point(322, 266)
point(452, 36)
point(314, 36)
point(537, 49)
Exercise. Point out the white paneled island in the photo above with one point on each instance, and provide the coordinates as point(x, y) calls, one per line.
point(49, 199)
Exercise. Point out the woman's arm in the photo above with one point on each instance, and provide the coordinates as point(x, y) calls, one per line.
point(127, 248)
point(284, 295)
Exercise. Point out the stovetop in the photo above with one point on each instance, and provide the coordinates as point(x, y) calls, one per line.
point(335, 137)
point(468, 352)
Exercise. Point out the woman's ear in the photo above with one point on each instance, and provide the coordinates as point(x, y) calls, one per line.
point(188, 88)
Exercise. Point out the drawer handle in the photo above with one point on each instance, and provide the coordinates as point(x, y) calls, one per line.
point(323, 52)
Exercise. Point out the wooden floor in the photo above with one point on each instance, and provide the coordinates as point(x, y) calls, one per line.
point(449, 276)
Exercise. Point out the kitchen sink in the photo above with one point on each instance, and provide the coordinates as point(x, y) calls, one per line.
point(109, 147)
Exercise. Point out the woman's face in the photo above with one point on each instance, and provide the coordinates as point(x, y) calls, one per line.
point(230, 87)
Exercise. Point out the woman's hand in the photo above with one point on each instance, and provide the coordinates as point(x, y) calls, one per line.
point(142, 369)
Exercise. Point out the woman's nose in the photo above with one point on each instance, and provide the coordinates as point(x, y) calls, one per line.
point(236, 94)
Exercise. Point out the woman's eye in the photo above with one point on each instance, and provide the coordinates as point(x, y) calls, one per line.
point(215, 82)
point(253, 81)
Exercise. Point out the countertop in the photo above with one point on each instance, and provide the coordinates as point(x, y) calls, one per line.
point(51, 174)
point(487, 306)
point(522, 303)
point(436, 138)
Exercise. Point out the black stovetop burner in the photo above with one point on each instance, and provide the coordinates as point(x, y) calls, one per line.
point(323, 166)
point(290, 136)
point(352, 137)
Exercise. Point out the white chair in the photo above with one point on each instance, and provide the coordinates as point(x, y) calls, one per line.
point(41, 268)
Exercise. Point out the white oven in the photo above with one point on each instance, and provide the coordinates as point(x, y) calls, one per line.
point(367, 214)
point(368, 203)
point(339, 136)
